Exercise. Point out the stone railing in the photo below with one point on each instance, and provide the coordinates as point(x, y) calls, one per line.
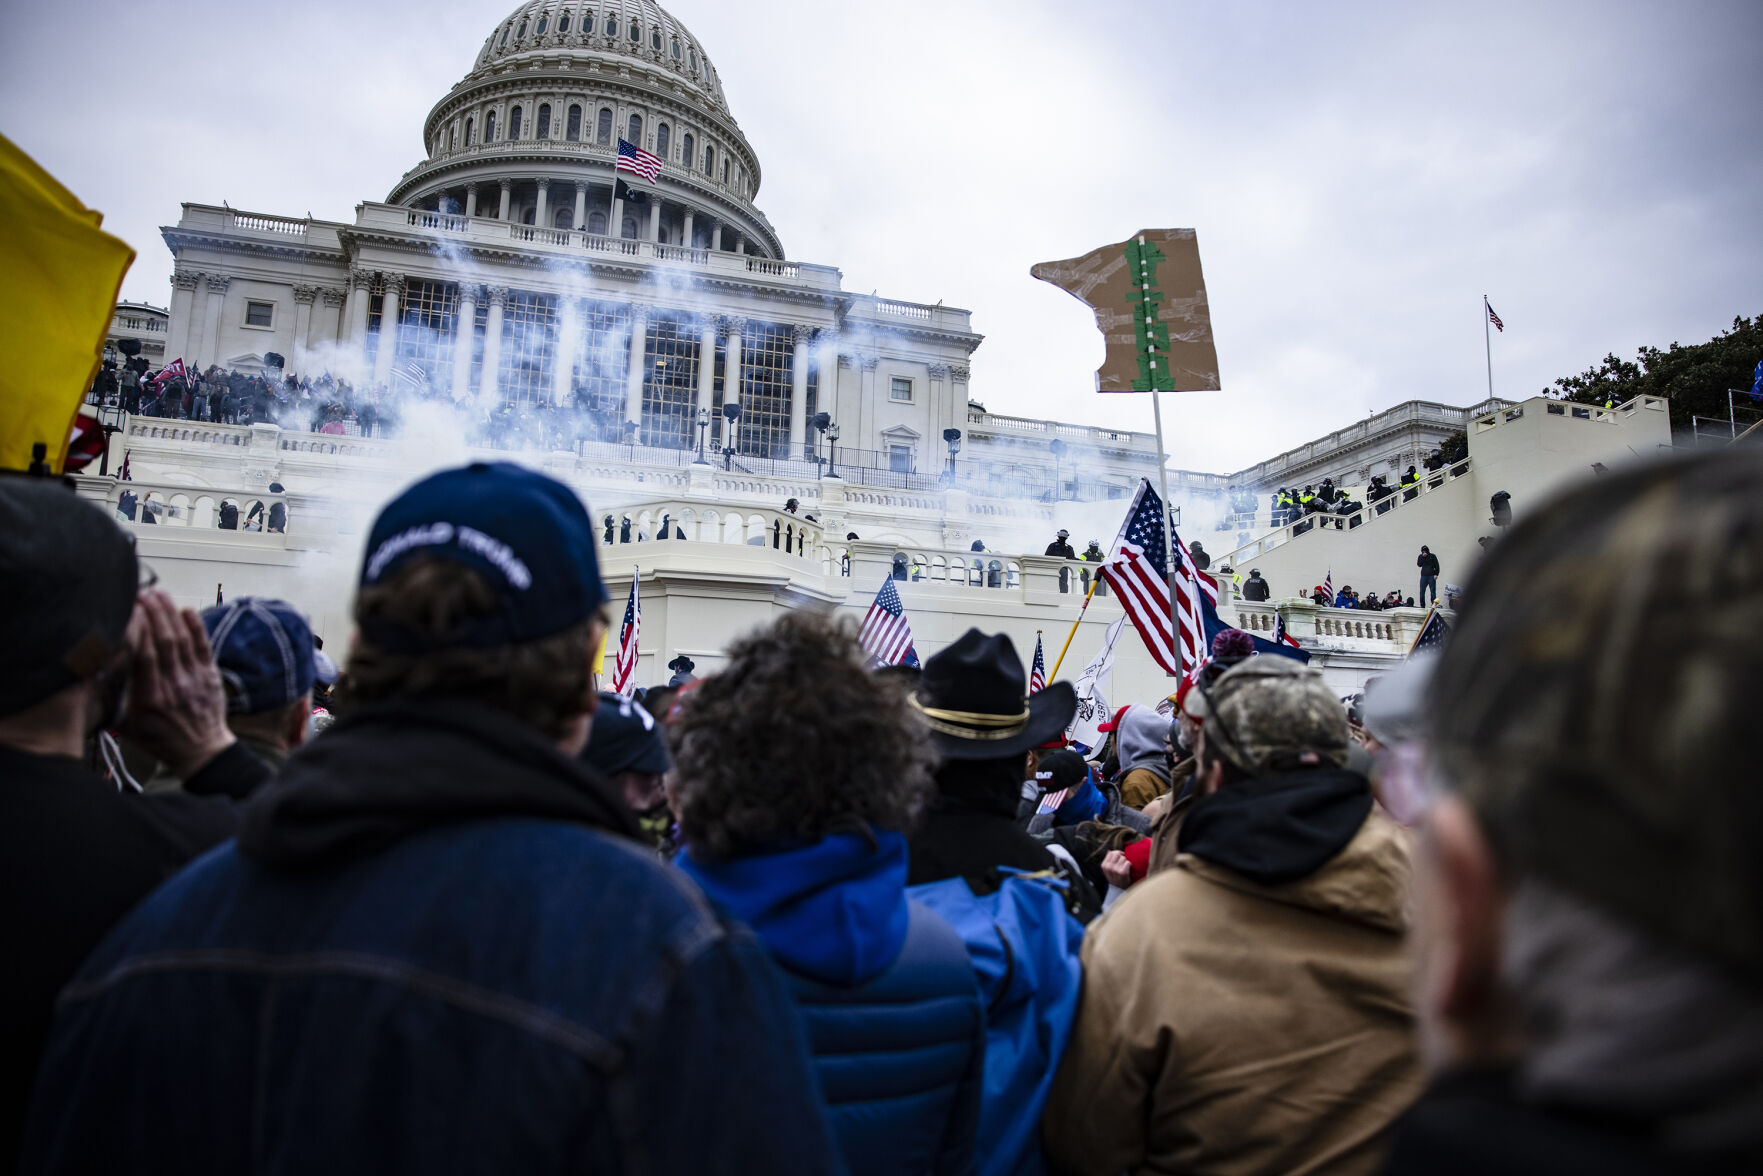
point(676, 521)
point(165, 429)
point(991, 422)
point(911, 315)
point(1388, 631)
point(263, 223)
point(1399, 497)
point(957, 569)
point(333, 444)
point(179, 505)
point(1416, 412)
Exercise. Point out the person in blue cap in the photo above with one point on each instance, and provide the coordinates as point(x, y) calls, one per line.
point(269, 666)
point(436, 943)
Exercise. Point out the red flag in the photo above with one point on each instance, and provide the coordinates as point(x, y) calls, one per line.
point(85, 444)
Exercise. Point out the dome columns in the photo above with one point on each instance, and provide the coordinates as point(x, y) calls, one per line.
point(581, 206)
point(471, 200)
point(541, 217)
point(502, 209)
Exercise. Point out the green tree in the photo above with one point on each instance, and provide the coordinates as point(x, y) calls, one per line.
point(1693, 377)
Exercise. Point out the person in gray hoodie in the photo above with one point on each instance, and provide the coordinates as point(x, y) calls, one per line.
point(1144, 756)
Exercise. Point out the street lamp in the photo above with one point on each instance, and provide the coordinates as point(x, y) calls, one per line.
point(703, 423)
point(832, 461)
point(732, 411)
point(1058, 447)
point(630, 439)
point(820, 422)
point(953, 437)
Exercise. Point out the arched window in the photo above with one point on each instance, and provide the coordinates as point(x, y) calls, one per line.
point(686, 152)
point(544, 131)
point(565, 219)
point(655, 39)
point(636, 130)
point(605, 128)
point(468, 123)
point(544, 23)
point(636, 34)
point(676, 50)
point(521, 31)
point(514, 125)
point(526, 218)
point(563, 23)
point(597, 223)
point(630, 229)
point(503, 43)
point(709, 161)
point(452, 137)
point(611, 25)
point(574, 130)
point(661, 140)
point(724, 162)
point(692, 54)
point(490, 127)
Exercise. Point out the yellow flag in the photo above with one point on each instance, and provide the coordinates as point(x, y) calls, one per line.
point(599, 666)
point(62, 275)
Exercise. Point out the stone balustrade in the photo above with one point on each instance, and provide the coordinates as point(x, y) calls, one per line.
point(180, 505)
point(680, 521)
point(1399, 497)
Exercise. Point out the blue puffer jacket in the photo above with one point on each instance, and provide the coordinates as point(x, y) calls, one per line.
point(885, 988)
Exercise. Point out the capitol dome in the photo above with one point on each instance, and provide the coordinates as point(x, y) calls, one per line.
point(530, 135)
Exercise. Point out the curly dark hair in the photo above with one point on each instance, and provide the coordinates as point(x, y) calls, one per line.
point(792, 739)
point(546, 684)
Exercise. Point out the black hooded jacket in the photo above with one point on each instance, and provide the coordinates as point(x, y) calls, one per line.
point(1279, 828)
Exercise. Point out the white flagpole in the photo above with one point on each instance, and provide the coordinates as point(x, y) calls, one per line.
point(1488, 342)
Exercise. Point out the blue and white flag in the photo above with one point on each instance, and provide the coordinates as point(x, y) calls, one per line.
point(1757, 383)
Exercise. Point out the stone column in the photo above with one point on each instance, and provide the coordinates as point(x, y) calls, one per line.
point(328, 327)
point(304, 297)
point(471, 200)
point(716, 234)
point(183, 314)
point(655, 218)
point(736, 326)
point(388, 348)
point(706, 368)
point(615, 221)
point(633, 384)
point(958, 376)
point(502, 209)
point(688, 236)
point(563, 362)
point(207, 348)
point(464, 328)
point(937, 415)
point(866, 405)
point(740, 242)
point(581, 207)
point(612, 211)
point(799, 389)
point(489, 389)
point(542, 215)
point(361, 290)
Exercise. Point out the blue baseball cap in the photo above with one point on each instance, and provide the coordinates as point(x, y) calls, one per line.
point(265, 653)
point(527, 534)
point(625, 738)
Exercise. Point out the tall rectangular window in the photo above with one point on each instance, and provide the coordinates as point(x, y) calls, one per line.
point(603, 133)
point(768, 355)
point(670, 381)
point(529, 347)
point(602, 364)
point(573, 132)
point(900, 458)
point(427, 318)
point(901, 390)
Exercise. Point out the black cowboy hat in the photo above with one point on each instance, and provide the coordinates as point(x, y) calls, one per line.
point(975, 698)
point(682, 662)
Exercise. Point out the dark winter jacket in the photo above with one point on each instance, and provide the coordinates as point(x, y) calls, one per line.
point(1060, 549)
point(75, 856)
point(1471, 1122)
point(1255, 588)
point(434, 947)
point(1428, 564)
point(883, 984)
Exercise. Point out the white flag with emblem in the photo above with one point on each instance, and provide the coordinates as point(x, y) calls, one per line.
point(1092, 693)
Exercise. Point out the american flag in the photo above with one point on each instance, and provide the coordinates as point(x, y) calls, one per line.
point(1050, 803)
point(886, 635)
point(124, 476)
point(1328, 586)
point(1494, 318)
point(638, 162)
point(1279, 631)
point(1037, 674)
point(1138, 568)
point(412, 373)
point(624, 669)
point(1433, 634)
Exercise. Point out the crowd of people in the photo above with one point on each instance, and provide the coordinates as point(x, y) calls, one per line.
point(451, 906)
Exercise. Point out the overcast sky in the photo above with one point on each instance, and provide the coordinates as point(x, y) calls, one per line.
point(1360, 174)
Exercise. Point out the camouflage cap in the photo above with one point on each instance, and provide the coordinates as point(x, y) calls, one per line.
point(1270, 713)
point(1595, 705)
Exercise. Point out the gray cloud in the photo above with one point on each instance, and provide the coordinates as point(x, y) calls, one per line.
point(1360, 174)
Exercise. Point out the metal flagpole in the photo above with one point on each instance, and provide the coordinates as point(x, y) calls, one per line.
point(1487, 342)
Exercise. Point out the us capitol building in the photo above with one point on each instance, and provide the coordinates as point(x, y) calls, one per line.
point(513, 266)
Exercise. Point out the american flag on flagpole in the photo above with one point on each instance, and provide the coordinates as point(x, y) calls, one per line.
point(1433, 634)
point(886, 635)
point(1138, 569)
point(124, 475)
point(635, 160)
point(624, 668)
point(1328, 586)
point(1494, 318)
point(1037, 674)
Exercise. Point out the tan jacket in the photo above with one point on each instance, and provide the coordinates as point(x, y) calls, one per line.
point(1141, 786)
point(1230, 1027)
